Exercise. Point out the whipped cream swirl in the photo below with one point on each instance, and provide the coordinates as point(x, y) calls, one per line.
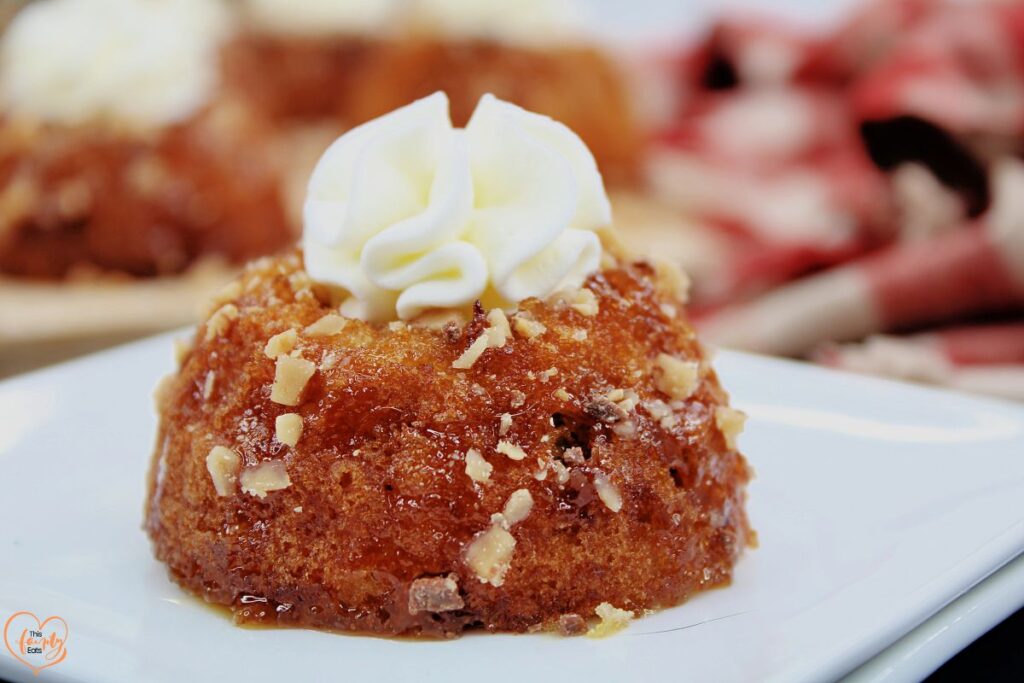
point(408, 213)
point(140, 64)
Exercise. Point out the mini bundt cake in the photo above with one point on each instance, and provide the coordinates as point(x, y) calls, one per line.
point(341, 448)
point(119, 152)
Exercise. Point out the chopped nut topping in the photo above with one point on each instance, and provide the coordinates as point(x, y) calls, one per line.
point(573, 456)
point(678, 378)
point(300, 281)
point(477, 468)
point(489, 555)
point(579, 334)
point(182, 347)
point(220, 321)
point(613, 620)
point(435, 594)
point(661, 412)
point(329, 360)
point(513, 451)
point(281, 344)
point(470, 355)
point(542, 470)
point(517, 507)
point(222, 463)
point(518, 398)
point(572, 625)
point(267, 476)
point(162, 390)
point(505, 425)
point(584, 302)
point(528, 327)
point(228, 292)
point(290, 379)
point(211, 377)
point(548, 374)
point(288, 428)
point(607, 492)
point(498, 328)
point(670, 274)
point(562, 394)
point(604, 410)
point(494, 336)
point(561, 472)
point(730, 421)
point(625, 429)
point(330, 324)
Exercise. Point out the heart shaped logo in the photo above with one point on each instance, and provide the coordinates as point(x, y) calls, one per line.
point(36, 644)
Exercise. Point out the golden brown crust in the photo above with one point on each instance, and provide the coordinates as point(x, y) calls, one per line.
point(378, 496)
point(357, 80)
point(108, 200)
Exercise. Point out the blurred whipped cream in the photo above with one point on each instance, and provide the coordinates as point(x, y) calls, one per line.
point(322, 17)
point(528, 22)
point(408, 214)
point(134, 63)
point(512, 21)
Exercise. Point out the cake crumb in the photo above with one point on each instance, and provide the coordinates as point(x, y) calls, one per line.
point(730, 421)
point(281, 344)
point(505, 424)
point(222, 463)
point(288, 428)
point(290, 379)
point(572, 625)
point(477, 467)
point(220, 321)
point(330, 324)
point(435, 594)
point(612, 618)
point(265, 477)
point(607, 491)
point(677, 378)
point(510, 449)
point(579, 334)
point(489, 555)
point(518, 398)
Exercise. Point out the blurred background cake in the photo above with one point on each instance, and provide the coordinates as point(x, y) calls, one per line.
point(840, 179)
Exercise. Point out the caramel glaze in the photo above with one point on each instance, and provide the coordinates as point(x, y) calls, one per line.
point(356, 80)
point(380, 477)
point(96, 198)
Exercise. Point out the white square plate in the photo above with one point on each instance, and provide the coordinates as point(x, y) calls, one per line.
point(876, 504)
